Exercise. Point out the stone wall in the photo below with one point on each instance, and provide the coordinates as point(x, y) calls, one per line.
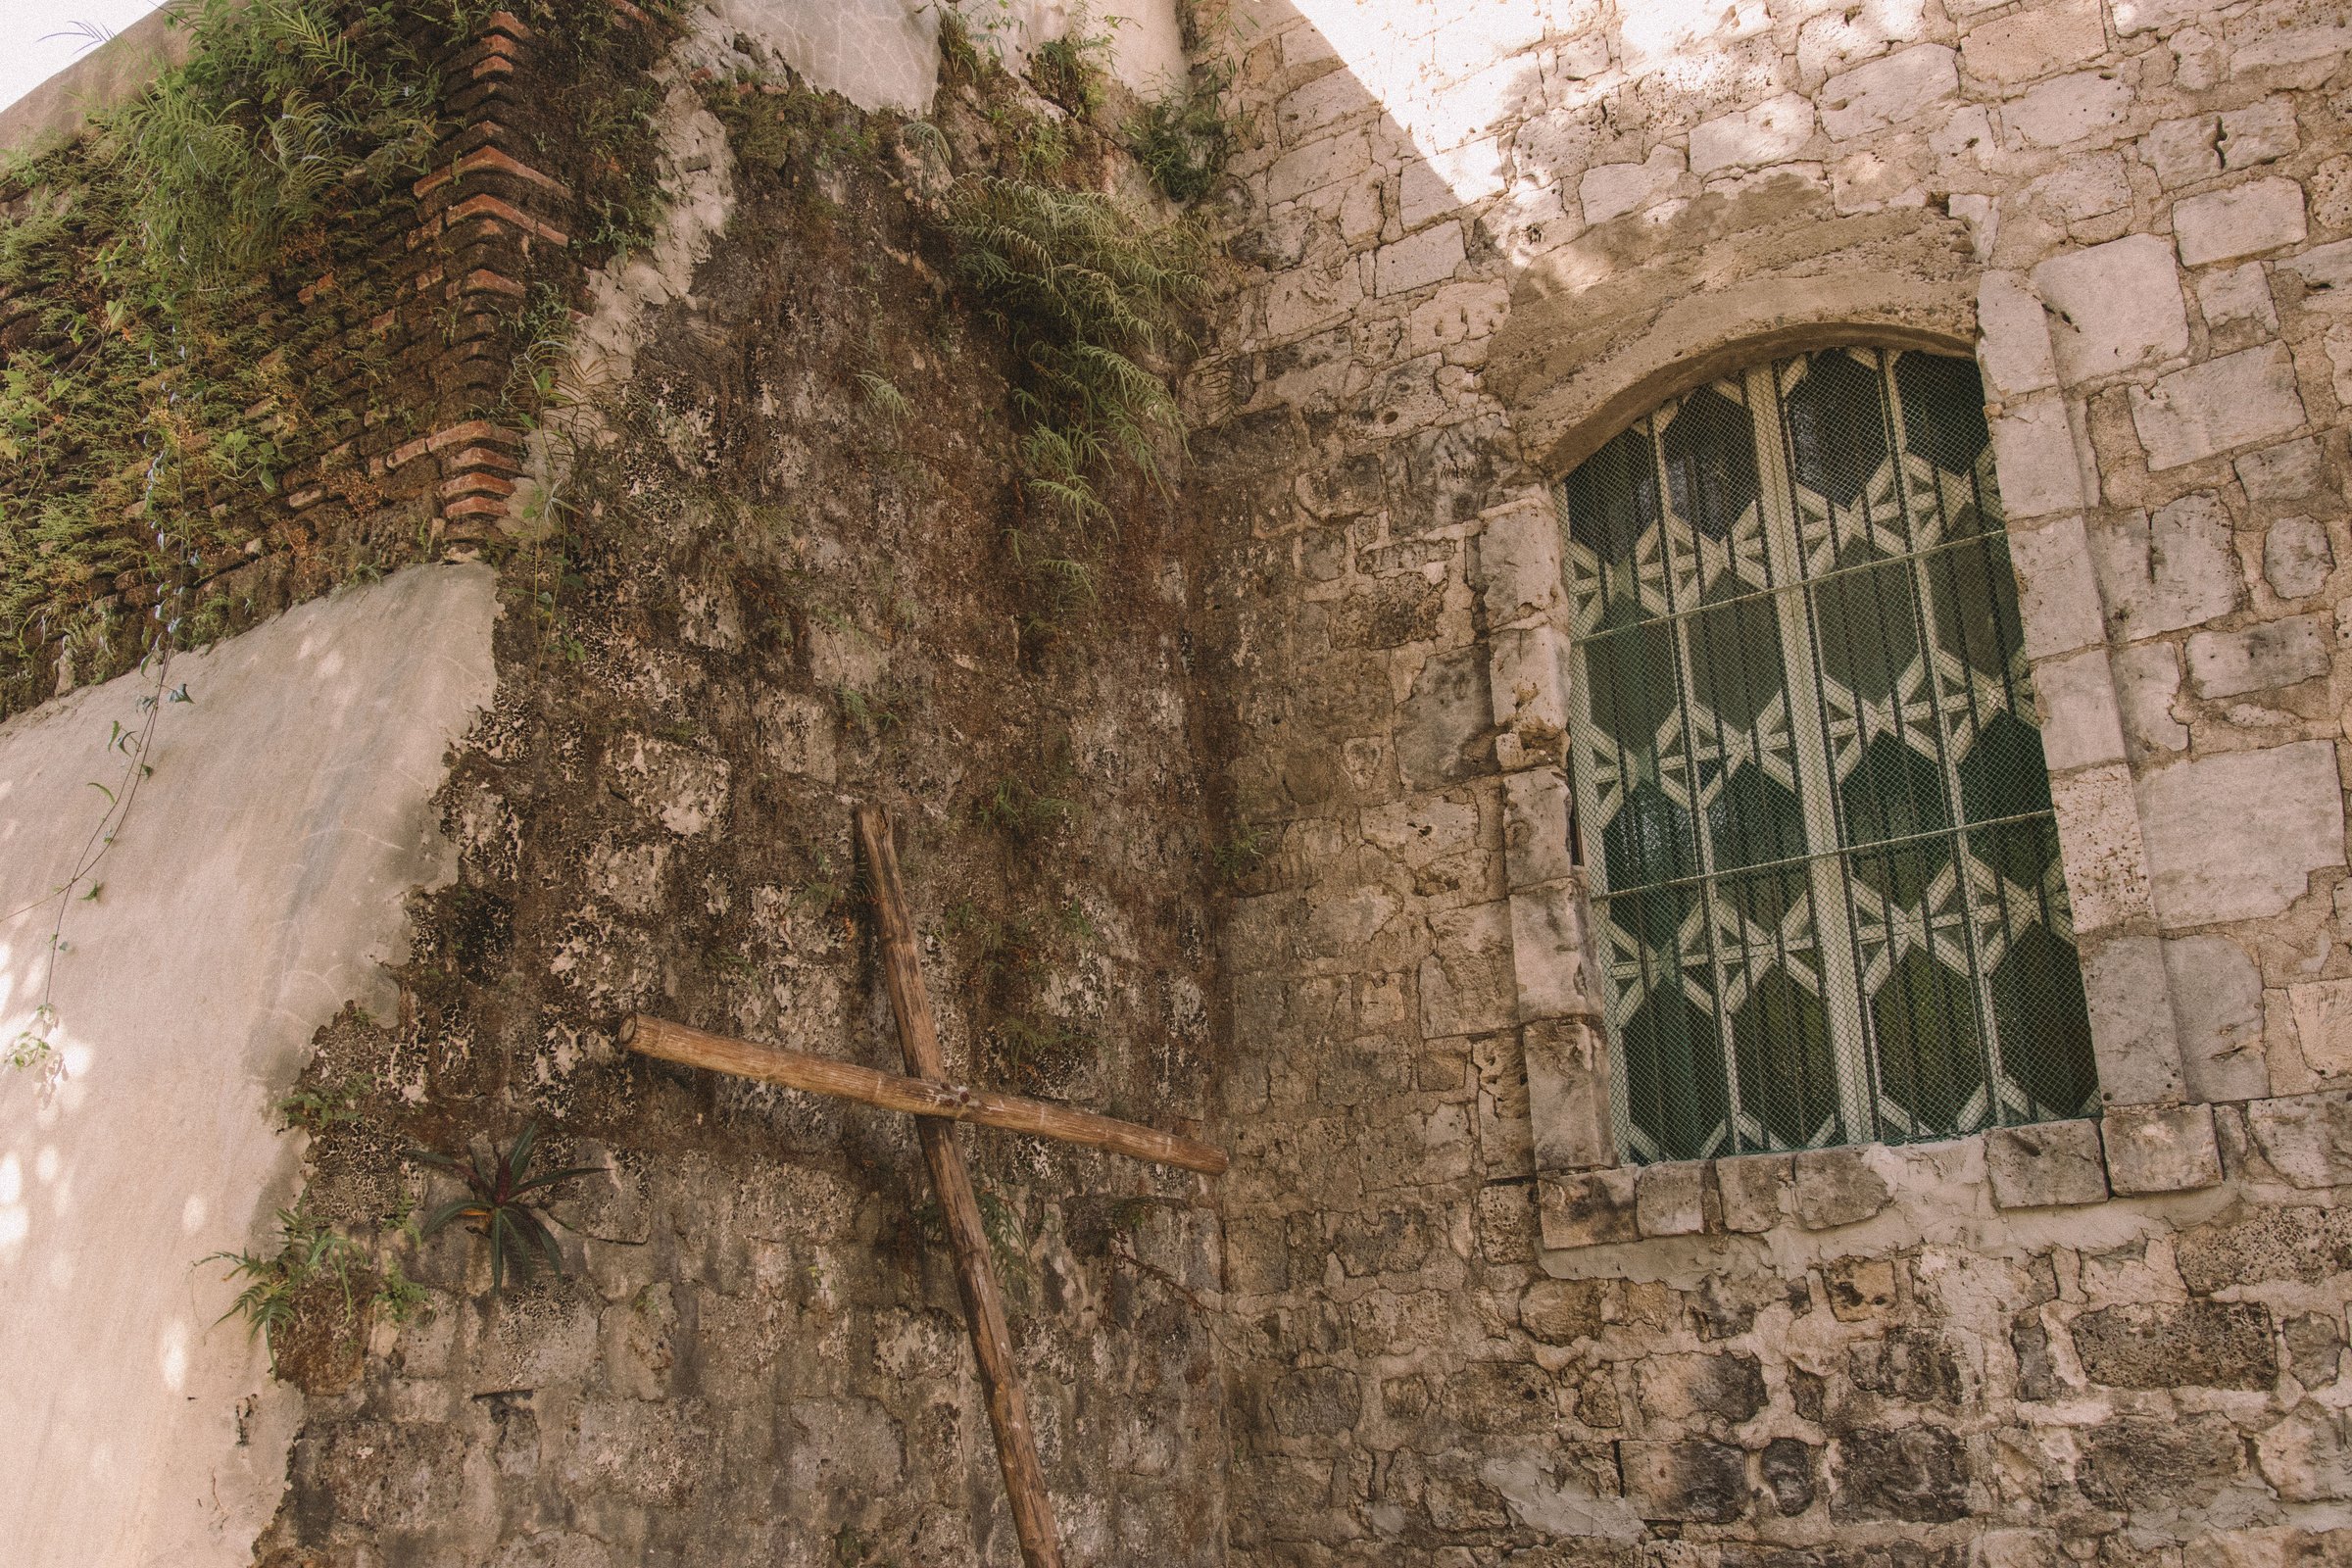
point(1480, 240)
point(744, 594)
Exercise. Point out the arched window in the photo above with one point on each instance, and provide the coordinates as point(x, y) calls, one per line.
point(1809, 783)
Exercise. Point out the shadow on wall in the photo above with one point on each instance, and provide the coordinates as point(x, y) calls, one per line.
point(256, 884)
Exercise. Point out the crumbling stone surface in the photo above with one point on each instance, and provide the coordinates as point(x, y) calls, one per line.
point(2162, 1345)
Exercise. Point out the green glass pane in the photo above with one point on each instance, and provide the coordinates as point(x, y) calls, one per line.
point(1893, 793)
point(1837, 427)
point(1869, 634)
point(1735, 664)
point(1924, 1023)
point(1649, 841)
point(1710, 450)
point(1613, 498)
point(2003, 772)
point(1974, 602)
point(1753, 820)
point(1630, 683)
point(1788, 1069)
point(2045, 1024)
point(1943, 410)
point(1674, 1081)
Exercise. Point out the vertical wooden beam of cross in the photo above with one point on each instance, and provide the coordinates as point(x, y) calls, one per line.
point(937, 1104)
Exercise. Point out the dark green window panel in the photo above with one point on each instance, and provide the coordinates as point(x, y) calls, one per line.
point(1811, 788)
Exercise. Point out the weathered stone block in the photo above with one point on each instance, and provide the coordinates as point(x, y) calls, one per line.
point(1700, 1481)
point(2307, 1457)
point(2288, 472)
point(2237, 294)
point(2160, 1149)
point(2323, 1014)
point(2306, 1243)
point(1786, 1467)
point(2099, 837)
point(2137, 1044)
point(1697, 1388)
point(2081, 724)
point(2057, 594)
point(2034, 454)
point(2034, 43)
point(2135, 1462)
point(2069, 109)
point(1534, 828)
point(2258, 133)
point(2183, 151)
point(1469, 983)
point(1771, 132)
point(1587, 1210)
point(1549, 949)
point(1858, 1289)
point(1527, 667)
point(1611, 190)
point(2275, 654)
point(1442, 718)
point(2118, 305)
point(1755, 1191)
point(2261, 215)
point(2176, 568)
point(2212, 860)
point(2046, 1165)
point(2297, 556)
point(1519, 560)
point(2147, 677)
point(1562, 1311)
point(1314, 1402)
point(1888, 91)
point(1837, 1187)
point(1418, 260)
point(2217, 1005)
point(2162, 1345)
point(1568, 1094)
point(1318, 163)
point(2232, 401)
point(2014, 336)
point(1917, 1474)
point(1677, 1200)
point(2307, 1139)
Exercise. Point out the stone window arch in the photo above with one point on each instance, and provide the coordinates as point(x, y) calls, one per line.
point(1828, 898)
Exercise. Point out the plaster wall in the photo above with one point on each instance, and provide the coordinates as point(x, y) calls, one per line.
point(1482, 239)
point(256, 888)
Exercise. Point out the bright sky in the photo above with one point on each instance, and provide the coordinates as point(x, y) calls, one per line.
point(27, 58)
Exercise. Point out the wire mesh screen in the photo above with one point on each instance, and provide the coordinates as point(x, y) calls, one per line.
point(1811, 790)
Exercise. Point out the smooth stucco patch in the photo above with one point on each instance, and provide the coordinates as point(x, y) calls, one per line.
point(257, 886)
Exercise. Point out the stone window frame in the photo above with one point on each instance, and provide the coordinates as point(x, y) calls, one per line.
point(2149, 1139)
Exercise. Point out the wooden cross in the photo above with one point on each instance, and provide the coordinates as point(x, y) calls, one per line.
point(938, 1105)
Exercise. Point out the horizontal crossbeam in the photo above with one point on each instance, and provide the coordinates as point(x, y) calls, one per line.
point(890, 1091)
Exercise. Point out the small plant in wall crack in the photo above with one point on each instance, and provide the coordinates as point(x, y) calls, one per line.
point(499, 1203)
point(309, 1252)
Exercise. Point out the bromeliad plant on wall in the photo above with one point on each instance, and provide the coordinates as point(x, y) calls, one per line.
point(498, 1203)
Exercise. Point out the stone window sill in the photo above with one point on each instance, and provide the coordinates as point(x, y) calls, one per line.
point(2299, 1141)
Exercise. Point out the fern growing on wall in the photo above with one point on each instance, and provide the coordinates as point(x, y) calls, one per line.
point(1088, 296)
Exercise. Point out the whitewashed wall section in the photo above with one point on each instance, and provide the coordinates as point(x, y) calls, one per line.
point(257, 886)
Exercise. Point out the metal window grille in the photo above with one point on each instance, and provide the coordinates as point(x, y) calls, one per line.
point(1809, 784)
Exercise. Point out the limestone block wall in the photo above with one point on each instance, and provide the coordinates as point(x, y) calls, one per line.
point(1479, 241)
point(256, 886)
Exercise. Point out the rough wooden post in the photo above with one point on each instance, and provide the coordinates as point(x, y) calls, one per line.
point(983, 1303)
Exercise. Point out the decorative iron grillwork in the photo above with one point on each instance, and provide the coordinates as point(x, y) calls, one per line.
point(1809, 781)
